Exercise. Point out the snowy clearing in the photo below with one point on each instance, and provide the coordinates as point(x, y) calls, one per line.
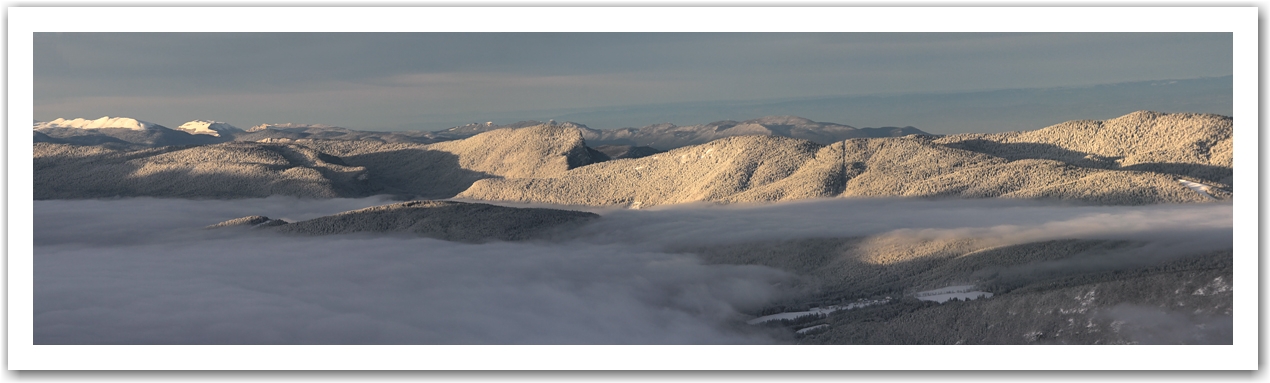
point(1200, 188)
point(815, 311)
point(812, 328)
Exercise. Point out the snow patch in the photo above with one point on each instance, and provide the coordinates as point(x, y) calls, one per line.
point(812, 328)
point(208, 127)
point(962, 292)
point(1033, 336)
point(1200, 188)
point(1217, 286)
point(815, 311)
point(100, 123)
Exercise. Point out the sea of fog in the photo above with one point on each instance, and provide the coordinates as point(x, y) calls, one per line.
point(144, 271)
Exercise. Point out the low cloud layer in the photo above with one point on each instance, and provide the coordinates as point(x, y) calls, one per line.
point(1001, 220)
point(154, 220)
point(143, 271)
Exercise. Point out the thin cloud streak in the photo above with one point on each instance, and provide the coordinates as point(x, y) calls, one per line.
point(210, 72)
point(452, 92)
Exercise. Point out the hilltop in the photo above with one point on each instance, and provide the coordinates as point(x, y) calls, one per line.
point(1188, 145)
point(208, 127)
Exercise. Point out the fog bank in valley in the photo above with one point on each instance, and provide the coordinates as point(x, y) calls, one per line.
point(143, 271)
point(1001, 220)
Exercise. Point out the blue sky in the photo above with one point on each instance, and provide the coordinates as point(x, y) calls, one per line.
point(390, 81)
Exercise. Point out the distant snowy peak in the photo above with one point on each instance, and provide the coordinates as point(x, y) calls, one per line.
point(288, 125)
point(471, 129)
point(100, 123)
point(211, 128)
point(784, 120)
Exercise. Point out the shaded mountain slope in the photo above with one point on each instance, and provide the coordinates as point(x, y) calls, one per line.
point(150, 137)
point(445, 169)
point(451, 221)
point(405, 169)
point(249, 221)
point(1184, 302)
point(864, 267)
point(1071, 291)
point(41, 137)
point(617, 152)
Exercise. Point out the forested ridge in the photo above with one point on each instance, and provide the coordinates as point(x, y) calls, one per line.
point(1141, 158)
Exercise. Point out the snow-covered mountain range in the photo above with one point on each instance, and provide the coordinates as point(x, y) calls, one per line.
point(1134, 159)
point(667, 136)
point(628, 142)
point(100, 123)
